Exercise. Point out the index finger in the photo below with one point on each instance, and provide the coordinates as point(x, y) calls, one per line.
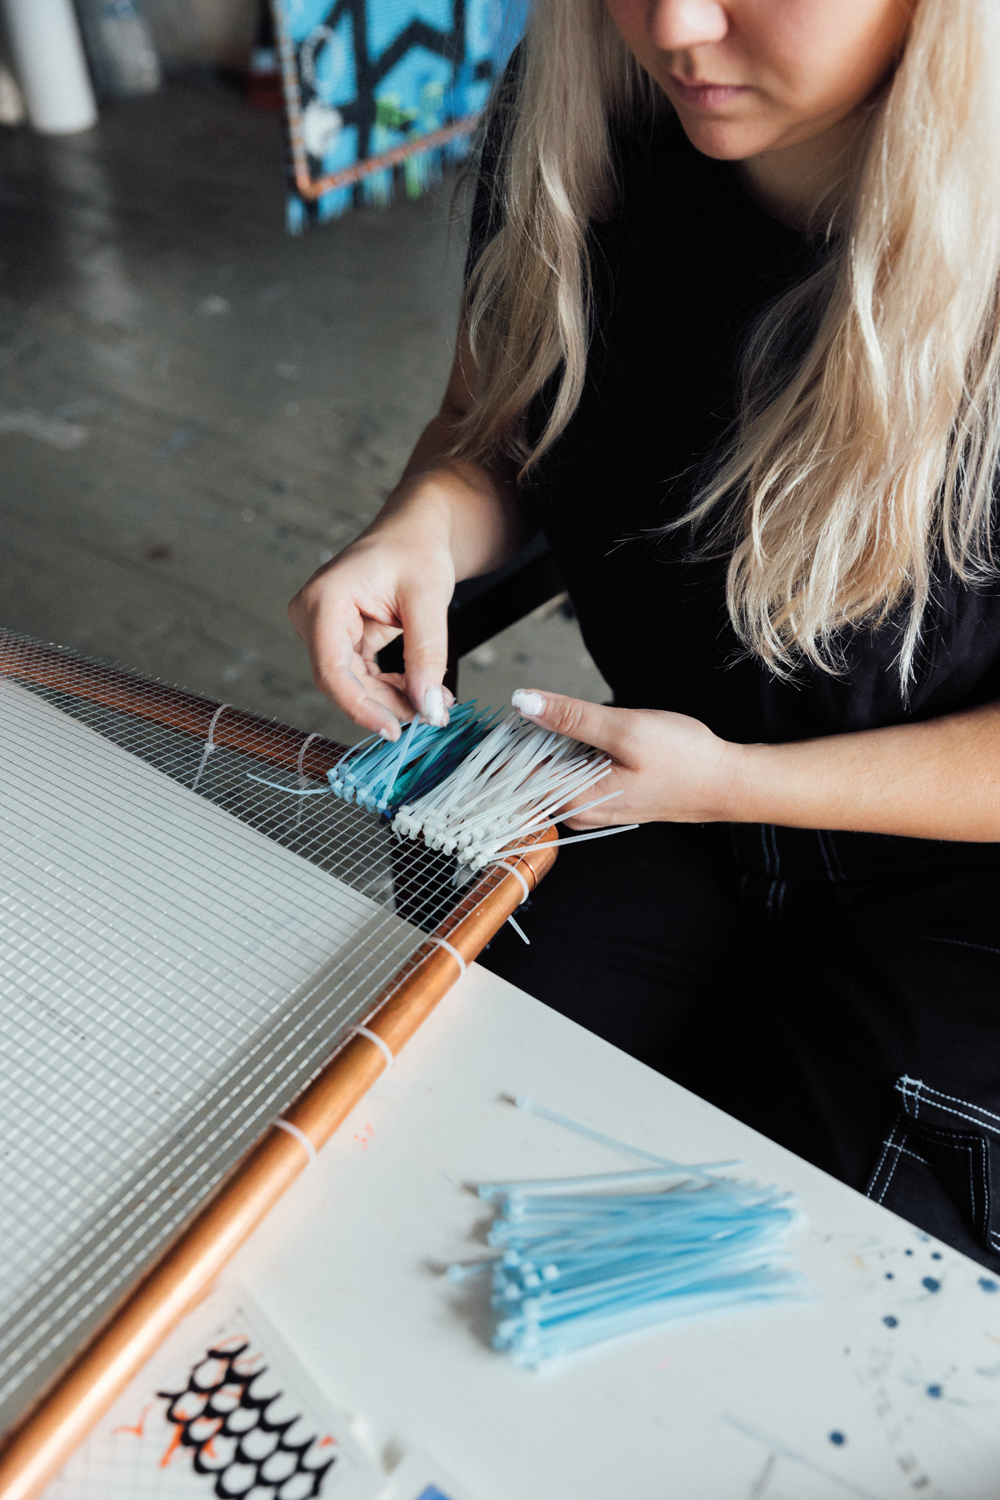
point(425, 651)
point(333, 632)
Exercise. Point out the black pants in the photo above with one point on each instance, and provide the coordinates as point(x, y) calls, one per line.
point(838, 992)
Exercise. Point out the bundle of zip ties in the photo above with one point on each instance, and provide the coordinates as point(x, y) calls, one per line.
point(585, 1259)
point(512, 785)
point(472, 789)
point(378, 773)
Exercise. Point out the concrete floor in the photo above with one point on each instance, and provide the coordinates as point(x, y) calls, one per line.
point(196, 410)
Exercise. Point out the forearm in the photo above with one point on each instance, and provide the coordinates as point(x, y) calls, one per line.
point(935, 780)
point(473, 508)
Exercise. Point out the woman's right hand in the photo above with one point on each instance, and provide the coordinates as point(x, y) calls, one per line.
point(398, 576)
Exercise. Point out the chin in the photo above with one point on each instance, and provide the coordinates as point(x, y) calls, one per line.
point(726, 140)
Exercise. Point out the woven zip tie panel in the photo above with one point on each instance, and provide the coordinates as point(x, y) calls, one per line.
point(175, 965)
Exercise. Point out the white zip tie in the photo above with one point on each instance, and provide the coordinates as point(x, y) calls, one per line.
point(579, 838)
point(444, 943)
point(300, 1136)
point(302, 754)
point(300, 762)
point(520, 931)
point(209, 744)
point(513, 870)
point(382, 1046)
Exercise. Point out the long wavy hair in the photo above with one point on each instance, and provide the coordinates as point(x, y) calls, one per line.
point(868, 457)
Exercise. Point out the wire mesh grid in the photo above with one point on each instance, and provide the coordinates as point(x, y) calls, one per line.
point(175, 967)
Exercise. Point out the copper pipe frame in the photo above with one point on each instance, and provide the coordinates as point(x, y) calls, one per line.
point(311, 188)
point(83, 1391)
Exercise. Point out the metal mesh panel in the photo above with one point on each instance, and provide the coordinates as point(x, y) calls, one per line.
point(174, 966)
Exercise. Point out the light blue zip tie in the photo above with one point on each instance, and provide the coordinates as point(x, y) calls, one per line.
point(585, 1259)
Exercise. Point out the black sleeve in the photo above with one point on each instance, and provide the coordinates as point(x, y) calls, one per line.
point(487, 208)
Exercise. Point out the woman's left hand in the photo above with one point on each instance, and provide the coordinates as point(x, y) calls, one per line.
point(667, 767)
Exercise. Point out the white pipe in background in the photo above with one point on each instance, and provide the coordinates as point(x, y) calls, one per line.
point(50, 63)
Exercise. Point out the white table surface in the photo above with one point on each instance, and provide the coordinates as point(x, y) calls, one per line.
point(347, 1266)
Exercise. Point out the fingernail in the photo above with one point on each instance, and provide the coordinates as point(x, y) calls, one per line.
point(527, 703)
point(434, 709)
point(387, 734)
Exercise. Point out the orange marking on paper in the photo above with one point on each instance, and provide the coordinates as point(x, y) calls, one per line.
point(174, 1444)
point(327, 1442)
point(137, 1429)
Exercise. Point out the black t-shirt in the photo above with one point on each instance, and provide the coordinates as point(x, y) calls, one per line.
point(682, 270)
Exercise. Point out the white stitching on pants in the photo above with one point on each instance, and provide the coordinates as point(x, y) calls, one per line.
point(910, 1089)
point(774, 846)
point(892, 1169)
point(886, 1147)
point(903, 1151)
point(959, 1114)
point(943, 1136)
point(919, 1084)
point(960, 943)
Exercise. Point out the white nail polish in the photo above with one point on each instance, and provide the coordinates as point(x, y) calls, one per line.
point(434, 709)
point(529, 704)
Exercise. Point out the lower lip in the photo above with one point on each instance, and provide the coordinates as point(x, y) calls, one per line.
point(708, 96)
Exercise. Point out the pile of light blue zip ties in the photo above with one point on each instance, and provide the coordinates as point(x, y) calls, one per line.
point(585, 1260)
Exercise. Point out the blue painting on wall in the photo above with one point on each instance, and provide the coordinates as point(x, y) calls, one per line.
point(367, 80)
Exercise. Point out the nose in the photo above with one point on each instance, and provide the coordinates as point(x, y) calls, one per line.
point(675, 25)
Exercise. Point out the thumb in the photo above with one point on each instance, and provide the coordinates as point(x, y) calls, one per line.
point(606, 729)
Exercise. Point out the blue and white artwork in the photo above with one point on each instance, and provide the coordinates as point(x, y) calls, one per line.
point(374, 75)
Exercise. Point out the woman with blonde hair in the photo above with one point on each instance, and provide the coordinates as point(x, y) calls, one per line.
point(731, 338)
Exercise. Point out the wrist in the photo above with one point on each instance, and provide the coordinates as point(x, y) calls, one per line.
point(454, 507)
point(742, 772)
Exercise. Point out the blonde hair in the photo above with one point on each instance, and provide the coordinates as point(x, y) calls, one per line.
point(855, 464)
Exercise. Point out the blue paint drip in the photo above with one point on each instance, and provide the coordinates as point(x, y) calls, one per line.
point(935, 1255)
point(987, 1285)
point(931, 1283)
point(934, 1391)
point(890, 1321)
point(837, 1439)
point(890, 1275)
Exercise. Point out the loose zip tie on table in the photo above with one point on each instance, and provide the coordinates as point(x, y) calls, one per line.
point(300, 1136)
point(382, 1046)
point(209, 744)
point(583, 1260)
